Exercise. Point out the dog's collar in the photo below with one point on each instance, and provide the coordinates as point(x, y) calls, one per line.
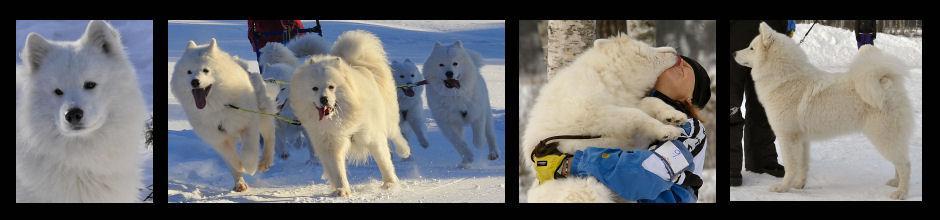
point(669, 101)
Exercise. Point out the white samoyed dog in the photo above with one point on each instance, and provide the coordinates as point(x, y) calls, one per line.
point(806, 104)
point(81, 123)
point(600, 93)
point(346, 102)
point(210, 84)
point(458, 96)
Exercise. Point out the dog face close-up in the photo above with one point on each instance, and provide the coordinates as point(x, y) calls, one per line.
point(757, 50)
point(79, 90)
point(451, 64)
point(406, 73)
point(196, 72)
point(321, 84)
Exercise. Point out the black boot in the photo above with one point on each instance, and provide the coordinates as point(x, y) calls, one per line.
point(772, 169)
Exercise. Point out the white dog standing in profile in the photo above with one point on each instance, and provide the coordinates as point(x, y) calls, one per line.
point(805, 104)
point(81, 123)
point(458, 96)
point(346, 102)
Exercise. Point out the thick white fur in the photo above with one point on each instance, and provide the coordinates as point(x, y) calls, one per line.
point(806, 104)
point(601, 93)
point(411, 108)
point(99, 163)
point(453, 108)
point(366, 109)
point(218, 125)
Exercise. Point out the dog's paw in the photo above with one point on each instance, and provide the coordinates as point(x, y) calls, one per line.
point(240, 186)
point(342, 192)
point(898, 195)
point(780, 187)
point(892, 182)
point(667, 133)
point(671, 117)
point(493, 156)
point(265, 164)
point(389, 185)
point(799, 183)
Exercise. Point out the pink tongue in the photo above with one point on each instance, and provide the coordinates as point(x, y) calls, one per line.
point(200, 96)
point(324, 111)
point(452, 83)
point(408, 91)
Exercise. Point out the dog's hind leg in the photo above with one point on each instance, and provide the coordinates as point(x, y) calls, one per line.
point(226, 149)
point(491, 136)
point(894, 147)
point(267, 131)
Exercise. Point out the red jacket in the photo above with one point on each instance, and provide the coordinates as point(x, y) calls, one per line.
point(260, 32)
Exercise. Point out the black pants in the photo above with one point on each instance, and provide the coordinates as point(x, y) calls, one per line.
point(758, 137)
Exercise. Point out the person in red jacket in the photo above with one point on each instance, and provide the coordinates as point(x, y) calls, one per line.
point(260, 32)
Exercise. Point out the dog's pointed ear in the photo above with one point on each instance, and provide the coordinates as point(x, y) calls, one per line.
point(766, 34)
point(35, 50)
point(458, 44)
point(191, 45)
point(101, 35)
point(213, 45)
point(437, 45)
point(601, 42)
point(408, 61)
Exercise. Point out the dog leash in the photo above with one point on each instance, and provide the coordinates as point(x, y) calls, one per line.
point(807, 32)
point(410, 85)
point(278, 117)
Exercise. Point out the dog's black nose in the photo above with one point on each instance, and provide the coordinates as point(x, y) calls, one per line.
point(194, 83)
point(449, 74)
point(323, 100)
point(74, 115)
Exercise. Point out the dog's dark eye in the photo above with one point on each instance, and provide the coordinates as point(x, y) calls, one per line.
point(190, 72)
point(204, 70)
point(330, 87)
point(90, 85)
point(315, 89)
point(441, 65)
point(401, 76)
point(58, 92)
point(752, 48)
point(412, 75)
point(455, 63)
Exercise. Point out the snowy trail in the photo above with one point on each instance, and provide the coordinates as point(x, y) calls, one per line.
point(848, 167)
point(197, 174)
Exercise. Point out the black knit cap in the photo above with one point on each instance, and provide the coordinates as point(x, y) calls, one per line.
point(702, 91)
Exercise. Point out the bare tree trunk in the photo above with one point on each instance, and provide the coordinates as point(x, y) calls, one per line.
point(642, 30)
point(566, 40)
point(610, 28)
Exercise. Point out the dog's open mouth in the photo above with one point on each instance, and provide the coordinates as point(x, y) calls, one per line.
point(409, 91)
point(452, 83)
point(324, 111)
point(199, 94)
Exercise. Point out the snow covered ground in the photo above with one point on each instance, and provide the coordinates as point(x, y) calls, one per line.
point(848, 167)
point(137, 37)
point(196, 173)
